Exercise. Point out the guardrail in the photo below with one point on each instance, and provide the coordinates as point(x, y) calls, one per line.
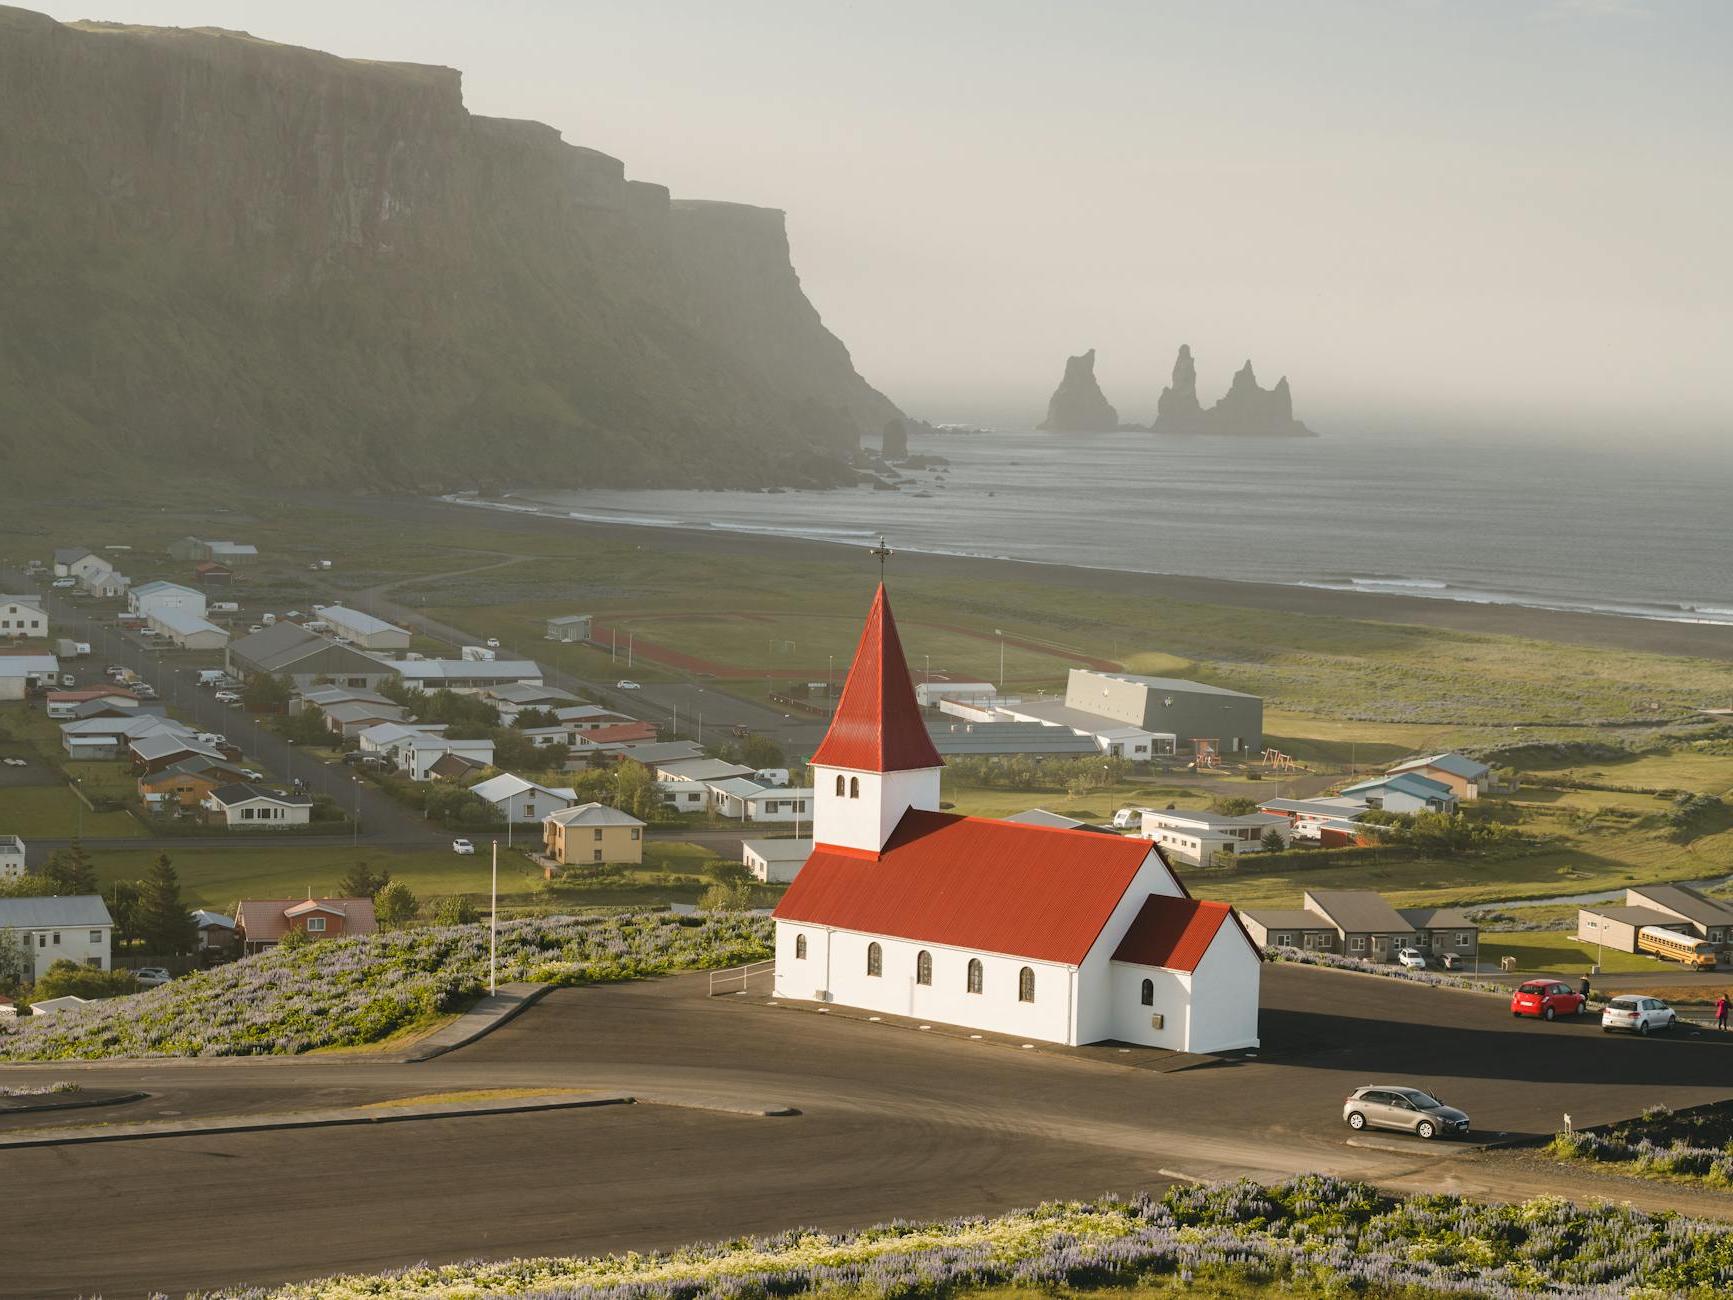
point(723, 981)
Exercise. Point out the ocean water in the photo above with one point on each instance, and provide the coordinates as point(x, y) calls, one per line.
point(1640, 530)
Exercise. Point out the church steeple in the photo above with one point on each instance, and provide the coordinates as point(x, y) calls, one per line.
point(877, 726)
point(877, 760)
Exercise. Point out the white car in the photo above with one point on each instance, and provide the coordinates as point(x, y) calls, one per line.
point(61, 584)
point(15, 762)
point(625, 684)
point(252, 774)
point(493, 643)
point(462, 846)
point(150, 977)
point(1412, 958)
point(1638, 1014)
point(227, 697)
point(256, 627)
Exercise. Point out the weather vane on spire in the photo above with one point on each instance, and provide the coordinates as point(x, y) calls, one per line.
point(884, 552)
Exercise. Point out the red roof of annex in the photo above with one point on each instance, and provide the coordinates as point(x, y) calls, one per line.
point(877, 726)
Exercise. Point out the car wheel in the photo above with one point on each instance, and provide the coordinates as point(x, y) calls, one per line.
point(1643, 1028)
point(1516, 1015)
point(1356, 1121)
point(1546, 1014)
point(1426, 1129)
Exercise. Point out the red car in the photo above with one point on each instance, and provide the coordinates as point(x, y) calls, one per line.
point(1546, 999)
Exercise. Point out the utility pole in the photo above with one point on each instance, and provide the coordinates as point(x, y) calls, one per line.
point(1000, 633)
point(493, 928)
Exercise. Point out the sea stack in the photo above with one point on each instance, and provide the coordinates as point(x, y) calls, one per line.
point(1077, 405)
point(895, 445)
point(1245, 409)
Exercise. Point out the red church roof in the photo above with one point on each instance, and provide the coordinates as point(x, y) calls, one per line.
point(972, 882)
point(877, 726)
point(1174, 933)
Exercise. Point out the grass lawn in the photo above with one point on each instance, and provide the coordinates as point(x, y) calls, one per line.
point(54, 812)
point(1682, 769)
point(1560, 954)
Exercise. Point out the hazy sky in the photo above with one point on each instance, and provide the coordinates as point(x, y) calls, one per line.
point(1466, 213)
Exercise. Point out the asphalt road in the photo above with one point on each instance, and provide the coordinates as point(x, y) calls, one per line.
point(893, 1122)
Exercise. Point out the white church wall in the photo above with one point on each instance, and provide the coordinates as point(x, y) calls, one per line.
point(1133, 1022)
point(866, 822)
point(1224, 998)
point(840, 957)
point(1096, 1004)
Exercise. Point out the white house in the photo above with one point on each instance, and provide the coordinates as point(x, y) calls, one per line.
point(744, 799)
point(11, 857)
point(76, 928)
point(1059, 935)
point(19, 672)
point(518, 800)
point(187, 630)
point(363, 629)
point(1406, 792)
point(22, 616)
point(247, 807)
point(154, 597)
point(685, 796)
point(420, 751)
point(1195, 836)
point(775, 862)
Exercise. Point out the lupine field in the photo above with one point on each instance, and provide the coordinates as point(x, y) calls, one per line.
point(1693, 1147)
point(349, 992)
point(1314, 1233)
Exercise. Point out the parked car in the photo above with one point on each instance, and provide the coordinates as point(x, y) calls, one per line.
point(1411, 958)
point(256, 627)
point(144, 690)
point(15, 762)
point(226, 696)
point(1450, 960)
point(252, 774)
point(1546, 999)
point(114, 670)
point(61, 584)
point(1408, 1110)
point(462, 846)
point(1637, 1014)
point(150, 977)
point(625, 684)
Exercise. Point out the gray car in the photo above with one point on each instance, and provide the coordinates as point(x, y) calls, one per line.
point(1409, 1110)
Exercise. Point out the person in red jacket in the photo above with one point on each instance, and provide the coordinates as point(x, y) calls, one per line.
point(1721, 1012)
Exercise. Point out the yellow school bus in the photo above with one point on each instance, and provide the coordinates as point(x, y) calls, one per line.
point(1686, 949)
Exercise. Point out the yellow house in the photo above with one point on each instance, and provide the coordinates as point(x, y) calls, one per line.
point(592, 833)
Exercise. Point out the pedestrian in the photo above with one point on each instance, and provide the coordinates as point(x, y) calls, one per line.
point(1583, 988)
point(1721, 1012)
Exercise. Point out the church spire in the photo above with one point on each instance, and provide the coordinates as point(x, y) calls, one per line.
point(877, 726)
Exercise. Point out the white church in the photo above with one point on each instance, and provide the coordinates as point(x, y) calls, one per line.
point(1065, 936)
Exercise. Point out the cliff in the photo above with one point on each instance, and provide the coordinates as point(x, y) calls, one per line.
point(1245, 409)
point(225, 254)
point(1077, 405)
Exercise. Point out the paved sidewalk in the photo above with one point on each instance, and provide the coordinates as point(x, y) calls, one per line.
point(484, 1017)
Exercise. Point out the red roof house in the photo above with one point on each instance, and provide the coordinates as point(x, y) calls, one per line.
point(262, 922)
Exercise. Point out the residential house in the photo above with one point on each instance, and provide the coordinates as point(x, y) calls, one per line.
point(589, 717)
point(1366, 926)
point(1709, 918)
point(1359, 923)
point(154, 597)
point(1327, 821)
point(53, 1006)
point(117, 702)
point(569, 627)
point(662, 751)
point(1407, 792)
point(22, 616)
point(187, 630)
point(751, 801)
point(1195, 836)
point(699, 769)
point(261, 923)
point(1619, 928)
point(1443, 932)
point(94, 574)
point(363, 629)
point(321, 696)
point(187, 784)
point(1468, 778)
point(67, 559)
point(455, 768)
point(216, 931)
point(250, 808)
point(513, 698)
point(305, 659)
point(775, 862)
point(390, 739)
point(100, 738)
point(592, 833)
point(155, 753)
point(349, 718)
point(421, 750)
point(685, 796)
point(20, 673)
point(224, 552)
point(208, 573)
point(11, 857)
point(1290, 927)
point(75, 928)
point(518, 800)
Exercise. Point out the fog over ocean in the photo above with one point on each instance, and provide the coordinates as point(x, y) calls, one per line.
point(1645, 531)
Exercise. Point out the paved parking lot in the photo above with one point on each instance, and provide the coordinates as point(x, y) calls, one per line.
point(893, 1122)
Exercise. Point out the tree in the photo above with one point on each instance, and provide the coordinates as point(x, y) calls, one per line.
point(17, 962)
point(68, 979)
point(1236, 806)
point(761, 752)
point(395, 905)
point(164, 923)
point(455, 909)
point(729, 873)
point(636, 792)
point(264, 693)
point(528, 718)
point(122, 897)
point(362, 881)
point(727, 898)
point(69, 871)
point(306, 726)
point(513, 750)
point(1272, 841)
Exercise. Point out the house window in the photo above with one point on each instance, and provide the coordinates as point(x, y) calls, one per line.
point(1284, 941)
point(839, 785)
point(94, 962)
point(637, 834)
point(924, 967)
point(529, 810)
point(96, 936)
point(596, 856)
point(875, 960)
point(1146, 994)
point(800, 947)
point(315, 925)
point(57, 938)
point(976, 975)
point(597, 833)
point(41, 941)
point(1026, 985)
point(854, 787)
point(1357, 943)
point(1464, 938)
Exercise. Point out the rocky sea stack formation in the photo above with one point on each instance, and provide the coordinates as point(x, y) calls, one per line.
point(227, 257)
point(1077, 405)
point(895, 443)
point(1245, 409)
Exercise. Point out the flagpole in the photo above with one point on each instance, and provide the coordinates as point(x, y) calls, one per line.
point(493, 928)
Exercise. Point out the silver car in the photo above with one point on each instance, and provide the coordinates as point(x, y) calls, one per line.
point(1638, 1014)
point(1408, 1110)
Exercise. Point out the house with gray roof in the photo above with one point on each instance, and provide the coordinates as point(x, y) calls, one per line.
point(1002, 739)
point(75, 928)
point(368, 631)
point(305, 659)
point(1619, 928)
point(1406, 792)
point(1710, 918)
point(1468, 778)
point(249, 807)
point(1360, 923)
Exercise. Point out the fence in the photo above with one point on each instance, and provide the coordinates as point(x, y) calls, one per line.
point(738, 979)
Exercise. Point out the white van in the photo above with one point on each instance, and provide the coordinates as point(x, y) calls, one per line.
point(224, 607)
point(1128, 819)
point(212, 677)
point(267, 619)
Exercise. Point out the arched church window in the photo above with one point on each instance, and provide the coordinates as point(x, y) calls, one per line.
point(1026, 985)
point(839, 785)
point(800, 947)
point(854, 787)
point(976, 973)
point(875, 960)
point(1148, 995)
point(923, 967)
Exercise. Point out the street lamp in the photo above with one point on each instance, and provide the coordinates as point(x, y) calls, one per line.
point(1000, 633)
